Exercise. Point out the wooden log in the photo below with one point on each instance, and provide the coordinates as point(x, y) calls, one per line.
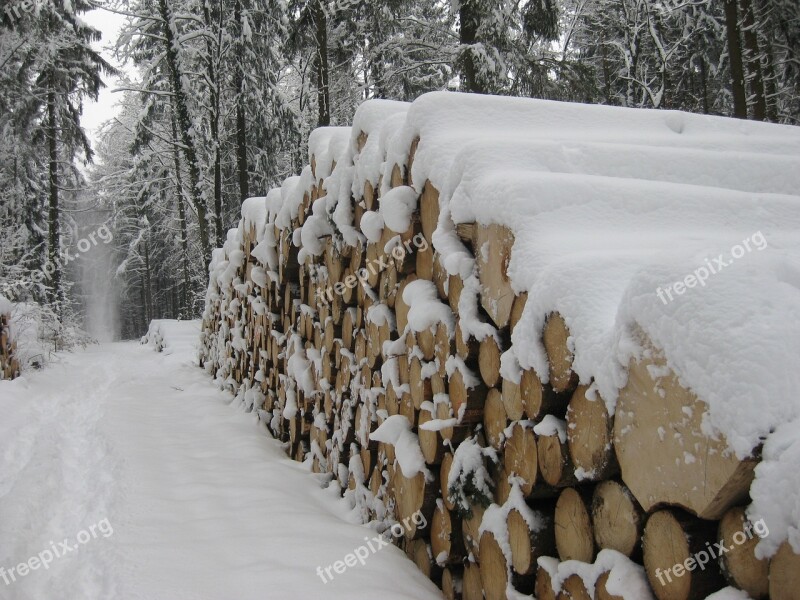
point(397, 178)
point(447, 539)
point(618, 519)
point(601, 588)
point(520, 457)
point(529, 541)
point(444, 474)
point(430, 442)
point(574, 588)
point(494, 569)
point(555, 338)
point(473, 586)
point(516, 311)
point(671, 545)
point(590, 434)
point(555, 465)
point(470, 529)
point(784, 574)
point(573, 523)
point(739, 564)
point(414, 495)
point(419, 551)
point(539, 399)
point(455, 285)
point(489, 360)
point(412, 153)
point(494, 419)
point(424, 262)
point(493, 245)
point(467, 347)
point(452, 583)
point(512, 400)
point(467, 396)
point(421, 390)
point(440, 276)
point(544, 584)
point(429, 210)
point(663, 453)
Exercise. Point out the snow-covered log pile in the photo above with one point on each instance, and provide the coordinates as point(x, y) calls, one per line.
point(9, 365)
point(567, 334)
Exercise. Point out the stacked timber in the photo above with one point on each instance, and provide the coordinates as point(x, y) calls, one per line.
point(9, 365)
point(380, 334)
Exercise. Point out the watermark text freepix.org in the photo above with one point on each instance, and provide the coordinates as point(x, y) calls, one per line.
point(701, 274)
point(56, 550)
point(713, 552)
point(362, 553)
point(373, 267)
point(103, 234)
point(16, 10)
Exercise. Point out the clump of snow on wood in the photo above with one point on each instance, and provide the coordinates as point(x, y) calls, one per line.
point(425, 308)
point(396, 430)
point(397, 207)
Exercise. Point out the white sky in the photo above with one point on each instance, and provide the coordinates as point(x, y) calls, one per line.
point(96, 113)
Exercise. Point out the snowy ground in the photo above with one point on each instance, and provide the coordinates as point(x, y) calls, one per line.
point(203, 504)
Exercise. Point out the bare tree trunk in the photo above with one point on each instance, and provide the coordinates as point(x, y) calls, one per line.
point(53, 214)
point(754, 61)
point(241, 123)
point(185, 125)
point(735, 57)
point(321, 64)
point(214, 110)
point(181, 220)
point(469, 18)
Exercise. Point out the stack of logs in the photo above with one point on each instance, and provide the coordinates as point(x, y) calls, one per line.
point(9, 365)
point(592, 483)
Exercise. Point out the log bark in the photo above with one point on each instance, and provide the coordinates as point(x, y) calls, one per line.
point(671, 539)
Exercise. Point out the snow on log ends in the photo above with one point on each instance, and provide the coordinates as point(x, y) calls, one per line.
point(665, 245)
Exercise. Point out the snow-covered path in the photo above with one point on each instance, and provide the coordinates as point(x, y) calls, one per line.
point(202, 503)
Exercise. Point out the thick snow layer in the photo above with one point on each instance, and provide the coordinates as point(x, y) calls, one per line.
point(371, 161)
point(325, 144)
point(775, 490)
point(626, 578)
point(444, 121)
point(200, 502)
